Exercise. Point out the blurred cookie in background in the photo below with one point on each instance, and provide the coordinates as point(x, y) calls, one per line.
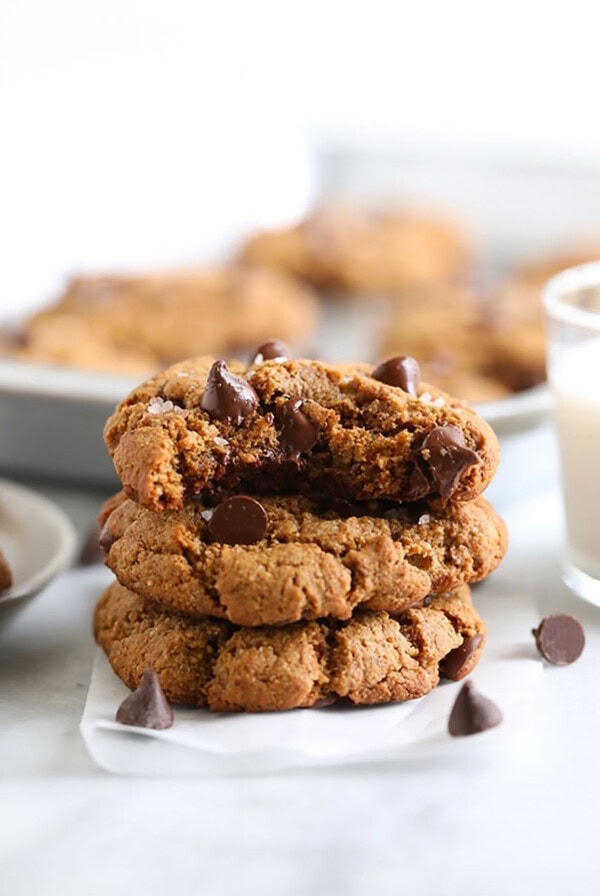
point(136, 324)
point(482, 347)
point(344, 251)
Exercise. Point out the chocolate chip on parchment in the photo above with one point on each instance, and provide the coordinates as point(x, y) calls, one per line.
point(298, 433)
point(227, 396)
point(453, 665)
point(402, 371)
point(239, 520)
point(560, 639)
point(270, 350)
point(472, 713)
point(146, 707)
point(446, 457)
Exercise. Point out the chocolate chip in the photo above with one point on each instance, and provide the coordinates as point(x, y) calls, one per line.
point(146, 707)
point(274, 348)
point(91, 551)
point(472, 713)
point(106, 539)
point(454, 664)
point(418, 485)
point(446, 457)
point(298, 433)
point(239, 520)
point(401, 371)
point(560, 639)
point(227, 396)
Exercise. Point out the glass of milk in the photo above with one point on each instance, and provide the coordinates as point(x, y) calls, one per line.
point(572, 303)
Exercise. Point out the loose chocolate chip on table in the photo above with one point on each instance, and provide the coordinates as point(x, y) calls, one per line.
point(146, 707)
point(274, 348)
point(227, 396)
point(298, 433)
point(454, 663)
point(560, 639)
point(402, 371)
point(472, 713)
point(446, 456)
point(239, 520)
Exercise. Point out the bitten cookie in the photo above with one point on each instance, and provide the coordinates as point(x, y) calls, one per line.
point(6, 576)
point(364, 252)
point(345, 430)
point(275, 560)
point(372, 658)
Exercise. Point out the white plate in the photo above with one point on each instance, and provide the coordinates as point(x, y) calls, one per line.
point(36, 537)
point(519, 411)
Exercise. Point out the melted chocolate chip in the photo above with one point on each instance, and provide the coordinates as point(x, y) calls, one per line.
point(472, 713)
point(227, 396)
point(146, 707)
point(239, 520)
point(560, 639)
point(446, 457)
point(454, 664)
point(298, 433)
point(91, 551)
point(401, 371)
point(106, 539)
point(274, 348)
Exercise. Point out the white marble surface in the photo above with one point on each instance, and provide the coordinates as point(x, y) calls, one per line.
point(512, 811)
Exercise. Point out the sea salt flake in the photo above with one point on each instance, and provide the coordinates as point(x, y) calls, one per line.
point(207, 514)
point(426, 397)
point(439, 402)
point(158, 405)
point(424, 519)
point(219, 441)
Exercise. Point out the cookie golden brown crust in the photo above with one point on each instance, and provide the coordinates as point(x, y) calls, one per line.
point(370, 438)
point(312, 563)
point(346, 251)
point(137, 324)
point(372, 658)
point(6, 576)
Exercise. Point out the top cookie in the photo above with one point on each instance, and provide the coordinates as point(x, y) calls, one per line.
point(202, 427)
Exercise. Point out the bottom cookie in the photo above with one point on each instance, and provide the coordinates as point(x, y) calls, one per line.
point(371, 658)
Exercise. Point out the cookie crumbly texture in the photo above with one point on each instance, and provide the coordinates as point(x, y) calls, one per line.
point(372, 658)
point(313, 563)
point(6, 576)
point(136, 325)
point(347, 251)
point(165, 448)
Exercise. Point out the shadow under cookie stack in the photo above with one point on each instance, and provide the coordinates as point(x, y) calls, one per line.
point(293, 533)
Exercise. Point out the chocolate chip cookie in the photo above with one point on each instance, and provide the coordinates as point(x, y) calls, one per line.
point(372, 658)
point(279, 559)
point(138, 324)
point(346, 251)
point(202, 427)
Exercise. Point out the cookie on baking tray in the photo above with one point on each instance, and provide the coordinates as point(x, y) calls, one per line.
point(350, 431)
point(272, 560)
point(345, 251)
point(137, 324)
point(372, 658)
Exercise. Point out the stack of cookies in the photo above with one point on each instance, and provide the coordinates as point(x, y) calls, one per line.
point(292, 533)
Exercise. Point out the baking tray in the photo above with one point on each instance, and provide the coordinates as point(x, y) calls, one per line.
point(51, 418)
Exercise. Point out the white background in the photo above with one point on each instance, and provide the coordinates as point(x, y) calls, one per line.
point(137, 133)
